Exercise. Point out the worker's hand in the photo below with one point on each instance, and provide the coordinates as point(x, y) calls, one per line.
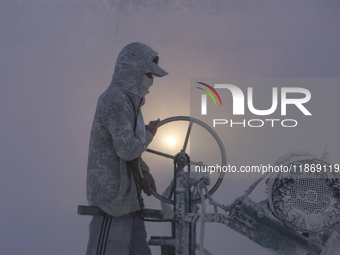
point(147, 184)
point(153, 126)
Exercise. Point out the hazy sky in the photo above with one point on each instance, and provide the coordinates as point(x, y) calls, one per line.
point(57, 57)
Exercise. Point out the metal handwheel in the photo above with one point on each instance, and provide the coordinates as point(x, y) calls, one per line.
point(183, 159)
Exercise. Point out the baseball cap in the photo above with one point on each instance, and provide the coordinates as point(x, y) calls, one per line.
point(155, 68)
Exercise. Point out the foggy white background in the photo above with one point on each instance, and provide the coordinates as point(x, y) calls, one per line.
point(57, 57)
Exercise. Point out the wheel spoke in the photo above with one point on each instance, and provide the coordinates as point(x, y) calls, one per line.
point(161, 154)
point(187, 137)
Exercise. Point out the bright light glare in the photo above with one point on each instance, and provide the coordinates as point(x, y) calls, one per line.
point(170, 140)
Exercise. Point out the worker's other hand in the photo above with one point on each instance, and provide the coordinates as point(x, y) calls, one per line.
point(153, 126)
point(147, 184)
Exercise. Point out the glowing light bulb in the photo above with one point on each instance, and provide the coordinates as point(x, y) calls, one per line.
point(171, 141)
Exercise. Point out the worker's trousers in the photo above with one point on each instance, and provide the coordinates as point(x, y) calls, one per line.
point(124, 235)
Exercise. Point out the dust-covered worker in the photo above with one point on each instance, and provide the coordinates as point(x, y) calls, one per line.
point(118, 138)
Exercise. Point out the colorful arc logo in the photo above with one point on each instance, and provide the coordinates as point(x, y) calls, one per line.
point(204, 97)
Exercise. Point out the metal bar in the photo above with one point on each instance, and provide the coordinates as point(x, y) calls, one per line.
point(152, 214)
point(95, 210)
point(172, 190)
point(160, 153)
point(182, 228)
point(194, 163)
point(207, 217)
point(159, 241)
point(90, 210)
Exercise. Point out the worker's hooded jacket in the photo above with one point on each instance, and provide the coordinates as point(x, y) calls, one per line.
point(113, 142)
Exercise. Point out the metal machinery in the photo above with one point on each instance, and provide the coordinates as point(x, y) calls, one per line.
point(297, 218)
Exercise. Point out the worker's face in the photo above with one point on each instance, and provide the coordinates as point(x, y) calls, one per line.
point(146, 83)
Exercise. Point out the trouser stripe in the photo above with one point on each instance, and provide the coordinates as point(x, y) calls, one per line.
point(107, 234)
point(104, 234)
